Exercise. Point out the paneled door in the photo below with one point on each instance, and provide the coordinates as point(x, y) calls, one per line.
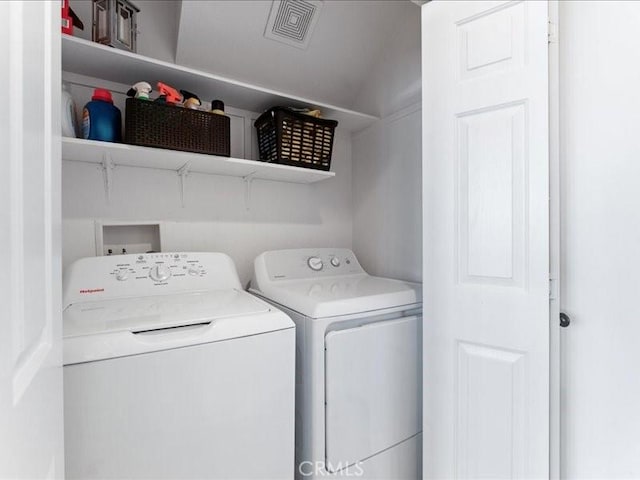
point(486, 239)
point(31, 435)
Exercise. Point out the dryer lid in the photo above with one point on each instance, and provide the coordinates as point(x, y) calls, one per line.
point(342, 295)
point(157, 312)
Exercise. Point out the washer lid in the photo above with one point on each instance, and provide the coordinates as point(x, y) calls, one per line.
point(157, 312)
point(342, 295)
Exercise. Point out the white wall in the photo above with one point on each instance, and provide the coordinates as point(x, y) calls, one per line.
point(387, 165)
point(387, 183)
point(215, 219)
point(395, 82)
point(600, 141)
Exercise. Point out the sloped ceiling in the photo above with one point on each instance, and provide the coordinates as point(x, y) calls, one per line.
point(227, 37)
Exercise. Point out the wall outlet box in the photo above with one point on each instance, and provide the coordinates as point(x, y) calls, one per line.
point(116, 238)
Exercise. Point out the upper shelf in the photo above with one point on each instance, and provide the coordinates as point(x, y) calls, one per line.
point(79, 150)
point(94, 60)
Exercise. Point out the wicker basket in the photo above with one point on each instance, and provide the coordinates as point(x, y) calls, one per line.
point(292, 138)
point(151, 124)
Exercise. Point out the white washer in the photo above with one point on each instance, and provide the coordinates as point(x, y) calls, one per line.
point(173, 371)
point(358, 381)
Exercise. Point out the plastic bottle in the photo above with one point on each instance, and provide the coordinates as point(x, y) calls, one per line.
point(217, 106)
point(101, 120)
point(69, 124)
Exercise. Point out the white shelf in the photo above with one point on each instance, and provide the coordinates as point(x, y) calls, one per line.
point(79, 150)
point(94, 60)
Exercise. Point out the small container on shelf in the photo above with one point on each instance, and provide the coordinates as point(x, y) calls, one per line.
point(152, 124)
point(291, 138)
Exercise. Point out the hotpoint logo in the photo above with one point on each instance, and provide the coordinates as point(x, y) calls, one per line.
point(92, 290)
point(320, 469)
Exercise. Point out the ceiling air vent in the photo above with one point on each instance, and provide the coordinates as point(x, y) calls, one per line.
point(292, 21)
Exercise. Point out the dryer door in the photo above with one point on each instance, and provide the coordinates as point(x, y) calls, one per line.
point(373, 392)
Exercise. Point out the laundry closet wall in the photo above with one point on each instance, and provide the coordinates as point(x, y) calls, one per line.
point(387, 161)
point(215, 217)
point(375, 201)
point(282, 215)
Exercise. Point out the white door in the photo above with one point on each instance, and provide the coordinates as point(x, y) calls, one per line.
point(486, 239)
point(31, 444)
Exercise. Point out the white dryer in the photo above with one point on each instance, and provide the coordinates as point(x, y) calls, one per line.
point(171, 370)
point(358, 363)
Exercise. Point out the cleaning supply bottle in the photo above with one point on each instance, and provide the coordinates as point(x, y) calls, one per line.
point(101, 120)
point(140, 90)
point(217, 106)
point(69, 123)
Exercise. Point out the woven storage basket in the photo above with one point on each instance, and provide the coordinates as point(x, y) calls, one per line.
point(151, 124)
point(292, 138)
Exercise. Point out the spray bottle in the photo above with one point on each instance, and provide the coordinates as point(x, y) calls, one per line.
point(140, 90)
point(168, 95)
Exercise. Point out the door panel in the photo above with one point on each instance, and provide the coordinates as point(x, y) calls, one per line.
point(486, 239)
point(491, 413)
point(491, 150)
point(372, 391)
point(31, 442)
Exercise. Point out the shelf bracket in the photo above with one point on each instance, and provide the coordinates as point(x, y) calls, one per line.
point(248, 180)
point(183, 173)
point(107, 166)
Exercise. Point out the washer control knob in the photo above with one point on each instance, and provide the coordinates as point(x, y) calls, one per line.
point(194, 271)
point(159, 273)
point(122, 275)
point(315, 263)
point(335, 261)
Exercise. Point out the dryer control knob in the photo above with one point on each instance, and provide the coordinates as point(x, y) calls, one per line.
point(159, 273)
point(335, 261)
point(315, 263)
point(194, 271)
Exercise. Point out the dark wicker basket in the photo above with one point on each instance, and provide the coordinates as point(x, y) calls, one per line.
point(151, 124)
point(292, 138)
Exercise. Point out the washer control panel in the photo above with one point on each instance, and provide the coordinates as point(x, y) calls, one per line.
point(157, 268)
point(148, 274)
point(308, 263)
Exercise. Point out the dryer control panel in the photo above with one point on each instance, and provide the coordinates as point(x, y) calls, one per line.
point(137, 275)
point(307, 263)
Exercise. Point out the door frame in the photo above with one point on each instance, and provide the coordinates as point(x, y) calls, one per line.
point(554, 243)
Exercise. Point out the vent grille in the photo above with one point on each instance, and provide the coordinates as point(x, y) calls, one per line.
point(292, 21)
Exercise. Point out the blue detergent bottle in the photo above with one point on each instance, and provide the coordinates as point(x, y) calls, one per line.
point(101, 120)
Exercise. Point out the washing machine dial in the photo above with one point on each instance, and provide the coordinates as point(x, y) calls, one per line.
point(122, 275)
point(159, 273)
point(335, 261)
point(193, 271)
point(315, 263)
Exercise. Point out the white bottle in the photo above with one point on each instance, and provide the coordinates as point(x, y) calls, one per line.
point(69, 122)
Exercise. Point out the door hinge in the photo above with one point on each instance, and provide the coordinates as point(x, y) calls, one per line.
point(552, 32)
point(553, 288)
